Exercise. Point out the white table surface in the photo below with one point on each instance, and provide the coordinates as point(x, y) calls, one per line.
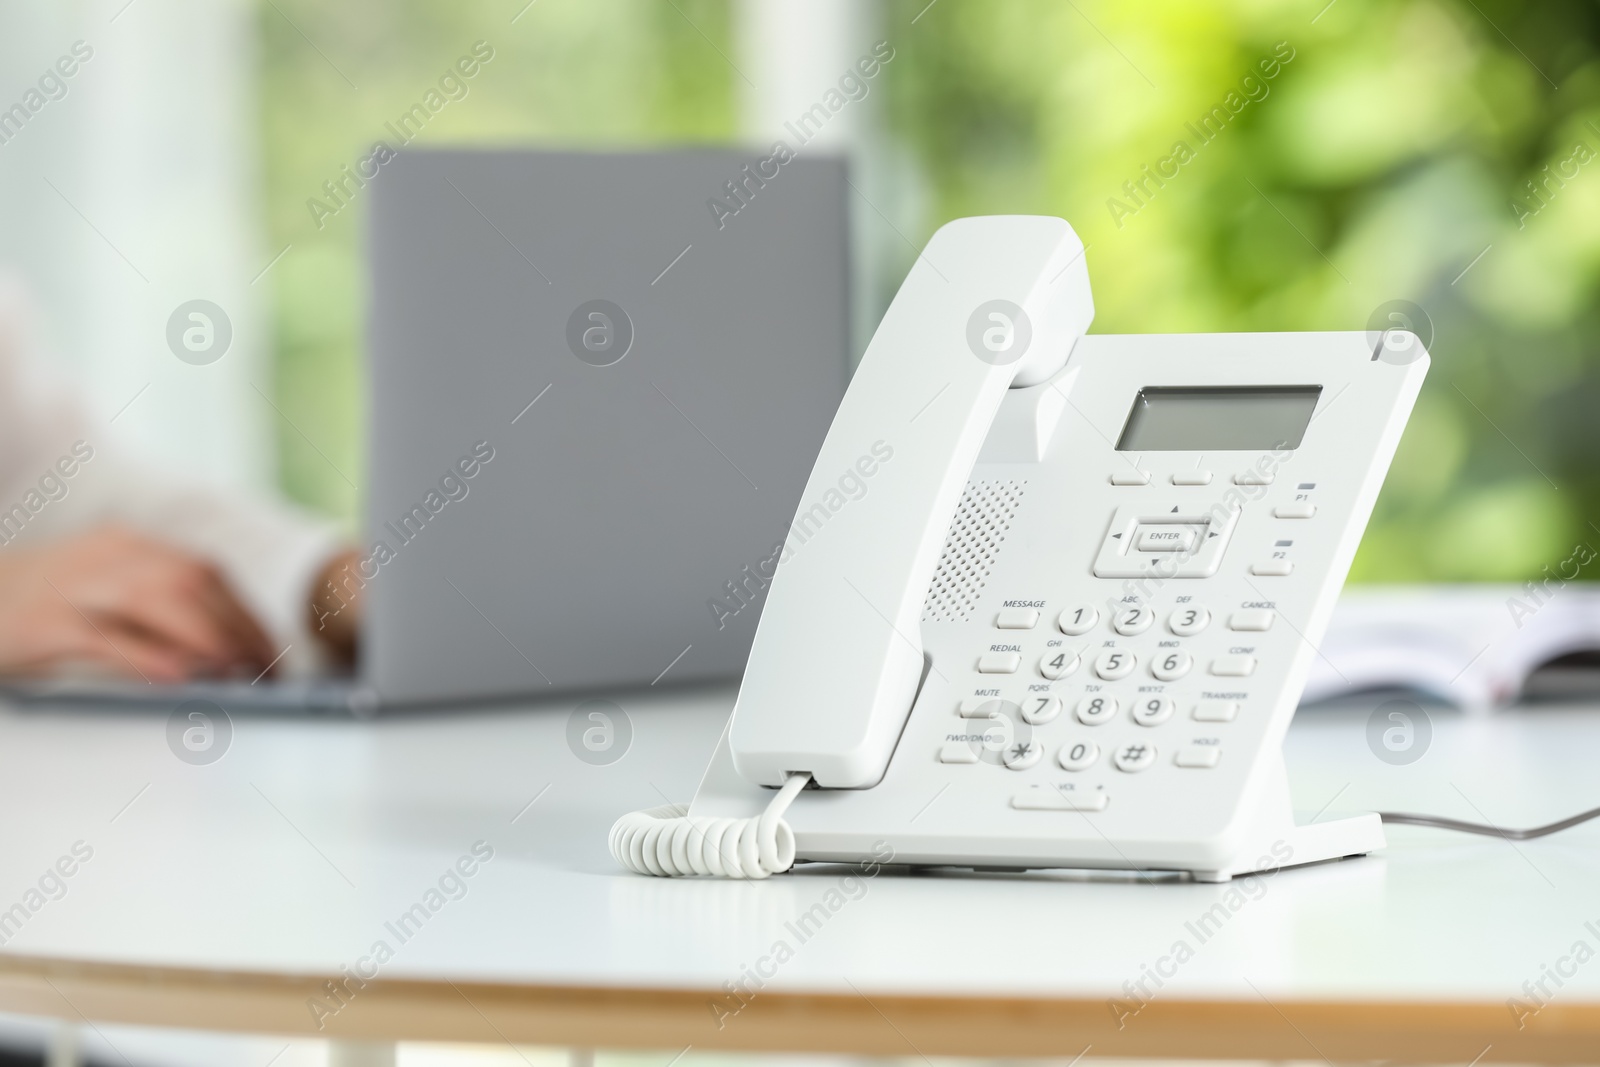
point(290, 853)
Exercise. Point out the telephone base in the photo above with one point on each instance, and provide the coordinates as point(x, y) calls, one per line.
point(1302, 844)
point(856, 825)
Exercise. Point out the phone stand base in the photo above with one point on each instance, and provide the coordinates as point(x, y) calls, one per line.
point(1298, 845)
point(852, 826)
point(1278, 841)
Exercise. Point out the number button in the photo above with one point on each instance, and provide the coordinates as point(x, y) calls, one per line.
point(1058, 664)
point(1152, 712)
point(1077, 620)
point(1115, 663)
point(1092, 711)
point(1038, 710)
point(1134, 758)
point(1172, 666)
point(1078, 756)
point(1186, 622)
point(1134, 621)
point(1020, 755)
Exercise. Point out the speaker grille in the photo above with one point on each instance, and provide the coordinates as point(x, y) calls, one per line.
point(976, 534)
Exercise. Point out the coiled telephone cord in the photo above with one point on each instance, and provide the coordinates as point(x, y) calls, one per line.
point(669, 843)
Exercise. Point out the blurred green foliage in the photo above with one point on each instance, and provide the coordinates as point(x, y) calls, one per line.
point(1387, 158)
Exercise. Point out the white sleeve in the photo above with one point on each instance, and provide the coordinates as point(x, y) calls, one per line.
point(269, 551)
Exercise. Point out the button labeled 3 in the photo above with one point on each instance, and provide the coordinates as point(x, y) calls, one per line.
point(1188, 621)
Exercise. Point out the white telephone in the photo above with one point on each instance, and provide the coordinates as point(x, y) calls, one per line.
point(1049, 599)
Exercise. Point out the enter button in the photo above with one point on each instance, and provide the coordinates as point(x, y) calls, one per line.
point(1166, 540)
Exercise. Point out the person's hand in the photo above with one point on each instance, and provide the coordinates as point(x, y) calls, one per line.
point(336, 606)
point(126, 605)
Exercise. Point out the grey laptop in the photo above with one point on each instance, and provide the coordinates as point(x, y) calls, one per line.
point(595, 399)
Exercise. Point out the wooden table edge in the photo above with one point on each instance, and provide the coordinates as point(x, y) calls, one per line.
point(885, 1024)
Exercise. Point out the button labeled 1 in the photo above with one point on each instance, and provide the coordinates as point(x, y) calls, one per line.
point(1077, 620)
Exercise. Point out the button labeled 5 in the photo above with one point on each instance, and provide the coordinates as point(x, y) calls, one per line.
point(1114, 663)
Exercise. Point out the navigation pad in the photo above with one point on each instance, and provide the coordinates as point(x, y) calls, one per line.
point(1165, 542)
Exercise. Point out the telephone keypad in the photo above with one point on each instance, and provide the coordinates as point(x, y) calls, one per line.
point(1145, 659)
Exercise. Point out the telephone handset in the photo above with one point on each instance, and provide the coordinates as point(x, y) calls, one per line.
point(1049, 599)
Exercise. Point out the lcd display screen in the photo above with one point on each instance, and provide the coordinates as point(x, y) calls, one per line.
point(1253, 418)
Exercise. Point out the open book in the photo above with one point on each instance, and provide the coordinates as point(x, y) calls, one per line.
point(1475, 646)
